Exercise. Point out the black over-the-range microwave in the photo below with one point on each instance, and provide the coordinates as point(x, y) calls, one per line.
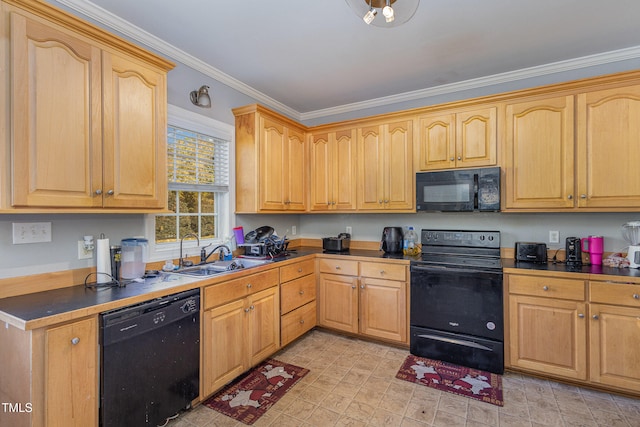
point(461, 190)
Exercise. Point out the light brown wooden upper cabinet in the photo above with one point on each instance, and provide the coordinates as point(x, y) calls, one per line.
point(608, 148)
point(385, 167)
point(539, 153)
point(89, 118)
point(457, 139)
point(332, 158)
point(271, 162)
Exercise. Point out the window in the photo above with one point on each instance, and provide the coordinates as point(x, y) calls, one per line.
point(198, 173)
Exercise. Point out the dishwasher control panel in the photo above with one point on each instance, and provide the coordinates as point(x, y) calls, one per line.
point(190, 306)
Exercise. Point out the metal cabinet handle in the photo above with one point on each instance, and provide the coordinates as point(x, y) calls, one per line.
point(299, 270)
point(459, 158)
point(75, 340)
point(301, 292)
point(380, 201)
point(248, 285)
point(451, 159)
point(361, 286)
point(636, 296)
point(581, 315)
point(545, 288)
point(570, 196)
point(386, 201)
point(338, 267)
point(98, 192)
point(246, 310)
point(353, 286)
point(583, 196)
point(595, 317)
point(382, 272)
point(110, 192)
point(301, 321)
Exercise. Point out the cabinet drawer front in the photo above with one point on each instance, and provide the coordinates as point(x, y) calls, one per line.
point(296, 270)
point(547, 287)
point(615, 293)
point(297, 293)
point(338, 266)
point(297, 322)
point(224, 292)
point(377, 270)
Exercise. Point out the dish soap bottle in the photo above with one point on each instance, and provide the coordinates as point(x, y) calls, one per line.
point(411, 246)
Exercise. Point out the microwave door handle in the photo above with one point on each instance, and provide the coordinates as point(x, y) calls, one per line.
point(475, 191)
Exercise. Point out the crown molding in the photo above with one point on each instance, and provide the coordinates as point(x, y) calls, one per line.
point(124, 27)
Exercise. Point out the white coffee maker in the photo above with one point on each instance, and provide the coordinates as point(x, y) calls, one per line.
point(631, 232)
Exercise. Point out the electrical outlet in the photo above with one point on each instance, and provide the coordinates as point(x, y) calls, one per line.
point(293, 230)
point(84, 253)
point(554, 236)
point(31, 232)
point(348, 229)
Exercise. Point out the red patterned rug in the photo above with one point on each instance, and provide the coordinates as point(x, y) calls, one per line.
point(472, 383)
point(250, 396)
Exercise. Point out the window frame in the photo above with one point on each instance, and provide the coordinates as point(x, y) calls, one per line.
point(189, 120)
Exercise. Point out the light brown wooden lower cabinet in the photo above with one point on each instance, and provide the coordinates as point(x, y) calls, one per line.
point(238, 335)
point(581, 330)
point(371, 303)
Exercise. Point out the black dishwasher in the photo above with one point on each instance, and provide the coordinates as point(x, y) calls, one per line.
point(150, 360)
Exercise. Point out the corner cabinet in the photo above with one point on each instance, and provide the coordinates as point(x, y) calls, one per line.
point(88, 114)
point(465, 138)
point(271, 162)
point(385, 167)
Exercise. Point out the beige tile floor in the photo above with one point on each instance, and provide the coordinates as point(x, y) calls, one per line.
point(352, 383)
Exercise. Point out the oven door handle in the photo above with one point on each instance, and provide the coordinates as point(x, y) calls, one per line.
point(446, 269)
point(455, 341)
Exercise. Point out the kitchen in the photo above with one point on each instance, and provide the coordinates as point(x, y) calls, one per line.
point(61, 254)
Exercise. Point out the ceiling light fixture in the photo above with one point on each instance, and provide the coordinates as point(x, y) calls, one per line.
point(395, 12)
point(201, 97)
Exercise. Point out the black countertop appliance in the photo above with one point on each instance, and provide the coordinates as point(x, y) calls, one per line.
point(573, 251)
point(391, 240)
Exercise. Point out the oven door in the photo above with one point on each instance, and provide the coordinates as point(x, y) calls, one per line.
point(457, 300)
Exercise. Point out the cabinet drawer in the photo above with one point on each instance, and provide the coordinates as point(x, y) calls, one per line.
point(615, 293)
point(338, 266)
point(387, 271)
point(297, 270)
point(224, 292)
point(297, 293)
point(547, 287)
point(297, 323)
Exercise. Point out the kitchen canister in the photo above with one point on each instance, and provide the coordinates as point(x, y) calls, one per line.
point(133, 258)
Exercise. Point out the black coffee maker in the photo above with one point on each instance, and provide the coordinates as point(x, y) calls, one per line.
point(391, 240)
point(573, 252)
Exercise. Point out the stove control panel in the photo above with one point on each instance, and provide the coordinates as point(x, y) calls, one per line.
point(478, 239)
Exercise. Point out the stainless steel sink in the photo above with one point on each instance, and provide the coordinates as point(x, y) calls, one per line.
point(217, 267)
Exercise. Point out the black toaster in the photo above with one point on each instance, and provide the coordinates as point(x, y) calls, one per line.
point(531, 252)
point(337, 244)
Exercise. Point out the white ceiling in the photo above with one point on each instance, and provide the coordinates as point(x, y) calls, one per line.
point(313, 58)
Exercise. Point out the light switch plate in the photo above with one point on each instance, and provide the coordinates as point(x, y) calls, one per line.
point(31, 232)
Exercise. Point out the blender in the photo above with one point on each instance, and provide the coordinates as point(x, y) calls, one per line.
point(631, 232)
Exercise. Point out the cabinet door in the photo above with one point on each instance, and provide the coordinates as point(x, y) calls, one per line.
point(548, 336)
point(224, 342)
point(539, 154)
point(135, 154)
point(56, 105)
point(264, 324)
point(371, 161)
point(436, 143)
point(343, 170)
point(322, 173)
point(295, 171)
point(400, 179)
point(383, 309)
point(476, 138)
point(609, 148)
point(71, 374)
point(272, 162)
point(338, 301)
point(615, 346)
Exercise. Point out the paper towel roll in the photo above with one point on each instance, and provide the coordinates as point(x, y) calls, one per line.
point(103, 261)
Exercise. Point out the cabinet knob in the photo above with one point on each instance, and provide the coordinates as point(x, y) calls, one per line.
point(301, 321)
point(386, 201)
point(581, 315)
point(636, 296)
point(252, 307)
point(333, 203)
point(301, 292)
point(583, 196)
point(380, 201)
point(248, 285)
point(353, 286)
point(328, 203)
point(110, 192)
point(545, 288)
point(570, 196)
point(459, 158)
point(246, 310)
point(98, 192)
point(382, 272)
point(337, 267)
point(75, 340)
point(361, 286)
point(452, 159)
point(299, 270)
point(595, 317)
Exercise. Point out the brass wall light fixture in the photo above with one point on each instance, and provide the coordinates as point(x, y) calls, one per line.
point(201, 97)
point(395, 12)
